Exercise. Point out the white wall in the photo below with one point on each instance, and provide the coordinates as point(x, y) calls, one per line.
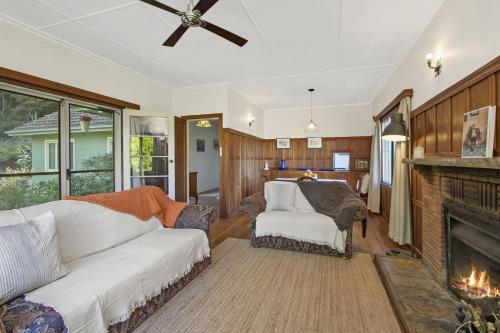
point(468, 35)
point(332, 122)
point(206, 163)
point(34, 54)
point(201, 100)
point(240, 110)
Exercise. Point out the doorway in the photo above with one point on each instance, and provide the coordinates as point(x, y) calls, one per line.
point(199, 144)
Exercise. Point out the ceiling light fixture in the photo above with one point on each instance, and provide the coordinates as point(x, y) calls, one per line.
point(311, 127)
point(203, 123)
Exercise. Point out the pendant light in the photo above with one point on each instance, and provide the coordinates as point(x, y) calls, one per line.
point(311, 127)
point(203, 123)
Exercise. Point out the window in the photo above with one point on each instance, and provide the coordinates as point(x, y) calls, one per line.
point(29, 165)
point(110, 145)
point(388, 151)
point(149, 152)
point(341, 161)
point(51, 156)
point(36, 164)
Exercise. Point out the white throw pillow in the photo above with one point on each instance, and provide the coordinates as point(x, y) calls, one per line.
point(301, 202)
point(365, 183)
point(280, 196)
point(29, 256)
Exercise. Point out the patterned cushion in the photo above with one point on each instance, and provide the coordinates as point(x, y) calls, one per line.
point(29, 256)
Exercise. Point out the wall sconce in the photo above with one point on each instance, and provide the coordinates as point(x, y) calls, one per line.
point(251, 120)
point(435, 62)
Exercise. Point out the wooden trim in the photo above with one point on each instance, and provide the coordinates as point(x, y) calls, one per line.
point(393, 104)
point(482, 73)
point(230, 130)
point(204, 116)
point(51, 87)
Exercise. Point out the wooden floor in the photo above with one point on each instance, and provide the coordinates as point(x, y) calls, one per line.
point(376, 242)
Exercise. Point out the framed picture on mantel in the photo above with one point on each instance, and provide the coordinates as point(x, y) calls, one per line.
point(478, 132)
point(283, 143)
point(314, 143)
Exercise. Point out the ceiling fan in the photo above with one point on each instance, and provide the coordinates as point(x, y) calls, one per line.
point(192, 18)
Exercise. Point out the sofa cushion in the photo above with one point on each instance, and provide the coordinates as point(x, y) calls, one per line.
point(29, 256)
point(309, 227)
point(85, 228)
point(280, 196)
point(301, 203)
point(123, 278)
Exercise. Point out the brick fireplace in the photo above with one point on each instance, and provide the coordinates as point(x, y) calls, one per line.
point(475, 191)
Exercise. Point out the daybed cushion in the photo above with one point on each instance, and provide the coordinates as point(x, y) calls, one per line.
point(116, 281)
point(309, 227)
point(29, 256)
point(84, 228)
point(280, 196)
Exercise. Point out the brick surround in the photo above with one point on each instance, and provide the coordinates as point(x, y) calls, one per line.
point(475, 191)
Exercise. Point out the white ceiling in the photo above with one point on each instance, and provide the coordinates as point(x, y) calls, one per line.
point(343, 48)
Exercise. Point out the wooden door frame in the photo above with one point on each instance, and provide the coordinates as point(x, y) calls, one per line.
point(218, 116)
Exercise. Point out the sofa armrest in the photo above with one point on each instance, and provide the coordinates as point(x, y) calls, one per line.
point(196, 217)
point(253, 206)
point(21, 315)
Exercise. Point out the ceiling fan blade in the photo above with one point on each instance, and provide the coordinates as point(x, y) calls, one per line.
point(240, 41)
point(174, 38)
point(162, 6)
point(204, 5)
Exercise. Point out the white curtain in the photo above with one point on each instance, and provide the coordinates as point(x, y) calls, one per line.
point(400, 215)
point(375, 171)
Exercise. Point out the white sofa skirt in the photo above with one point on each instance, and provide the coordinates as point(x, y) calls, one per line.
point(309, 227)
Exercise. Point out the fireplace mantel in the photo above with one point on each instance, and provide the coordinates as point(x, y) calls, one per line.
point(457, 162)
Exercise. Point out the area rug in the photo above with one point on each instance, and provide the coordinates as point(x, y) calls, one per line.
point(266, 290)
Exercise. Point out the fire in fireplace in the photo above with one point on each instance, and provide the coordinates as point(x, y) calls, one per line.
point(473, 257)
point(476, 285)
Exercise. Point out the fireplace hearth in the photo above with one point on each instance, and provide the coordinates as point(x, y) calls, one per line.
point(473, 257)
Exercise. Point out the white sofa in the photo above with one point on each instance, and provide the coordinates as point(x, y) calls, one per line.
point(286, 220)
point(118, 263)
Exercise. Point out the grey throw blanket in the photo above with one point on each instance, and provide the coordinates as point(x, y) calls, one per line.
point(336, 200)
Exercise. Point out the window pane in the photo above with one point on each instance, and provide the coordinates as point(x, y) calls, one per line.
point(387, 156)
point(23, 191)
point(148, 166)
point(161, 182)
point(91, 183)
point(27, 122)
point(90, 130)
point(148, 146)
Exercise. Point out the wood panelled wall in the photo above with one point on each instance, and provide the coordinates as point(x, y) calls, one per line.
point(243, 158)
point(241, 169)
point(299, 156)
point(437, 125)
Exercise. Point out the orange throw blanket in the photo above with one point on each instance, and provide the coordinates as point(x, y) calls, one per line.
point(142, 202)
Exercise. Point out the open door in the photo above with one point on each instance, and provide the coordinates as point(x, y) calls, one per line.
point(180, 160)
